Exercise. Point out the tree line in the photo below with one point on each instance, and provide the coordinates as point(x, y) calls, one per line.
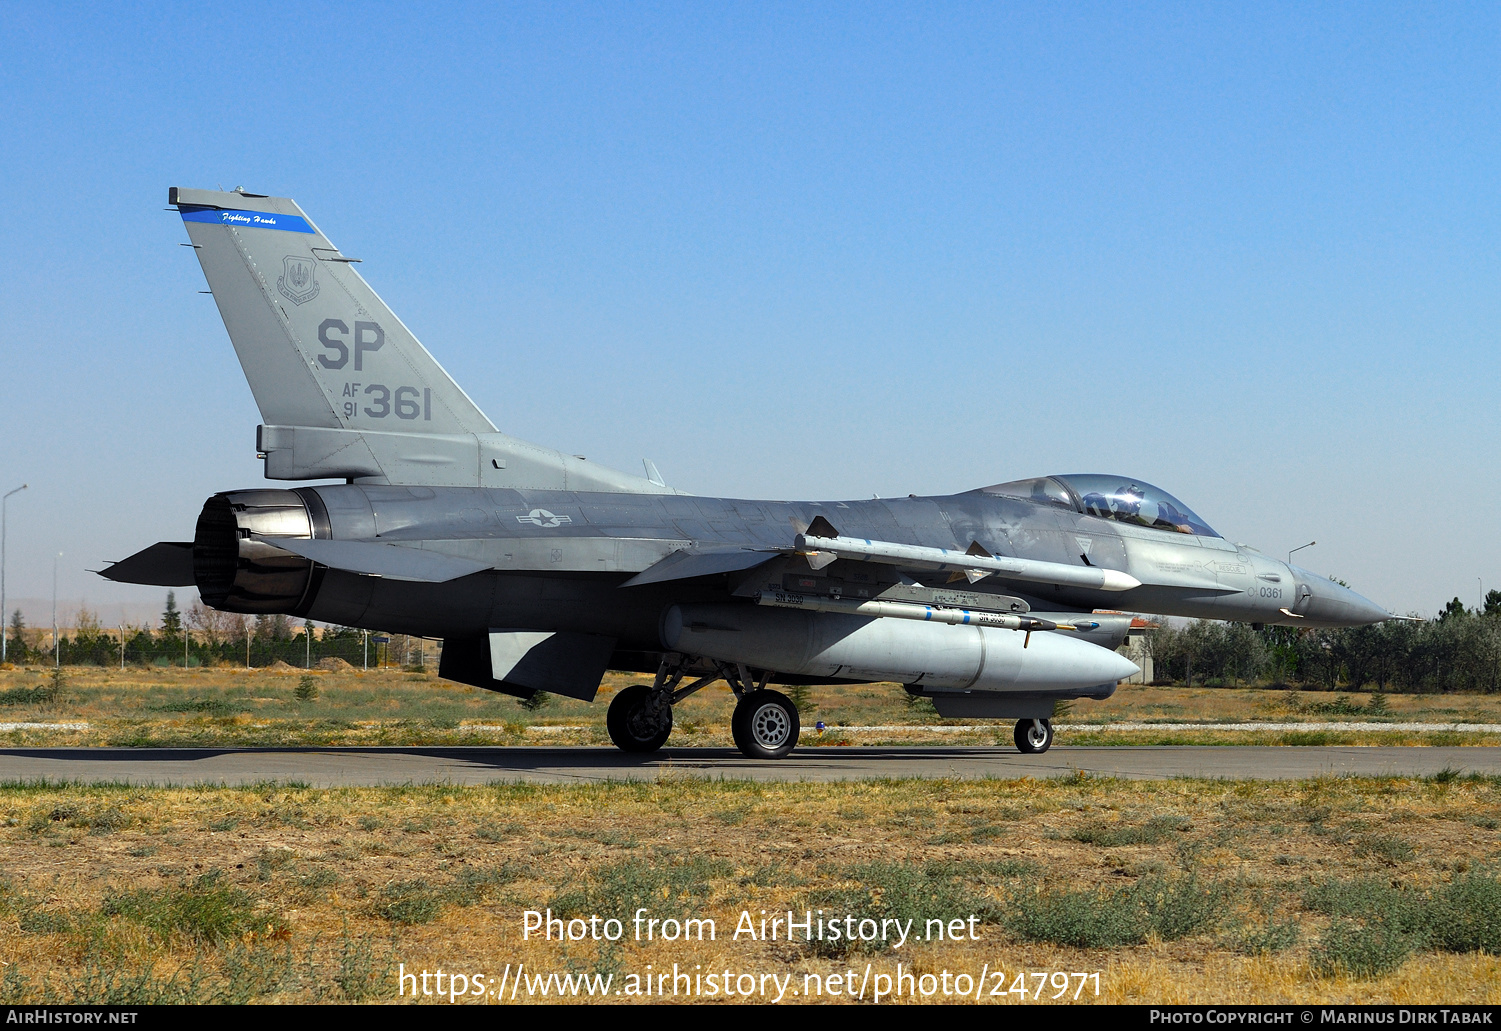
point(203, 636)
point(1458, 651)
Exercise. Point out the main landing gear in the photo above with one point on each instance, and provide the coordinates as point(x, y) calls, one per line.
point(1033, 736)
point(765, 723)
point(639, 719)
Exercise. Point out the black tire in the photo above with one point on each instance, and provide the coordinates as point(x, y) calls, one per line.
point(1033, 737)
point(628, 724)
point(765, 725)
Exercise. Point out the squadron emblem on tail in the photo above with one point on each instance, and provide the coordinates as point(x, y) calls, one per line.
point(297, 283)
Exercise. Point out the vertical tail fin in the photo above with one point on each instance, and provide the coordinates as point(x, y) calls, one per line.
point(344, 387)
point(318, 346)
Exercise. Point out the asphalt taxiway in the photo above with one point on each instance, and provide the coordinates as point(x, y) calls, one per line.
point(363, 767)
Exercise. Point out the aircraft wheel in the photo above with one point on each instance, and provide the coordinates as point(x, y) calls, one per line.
point(632, 726)
point(1033, 736)
point(765, 725)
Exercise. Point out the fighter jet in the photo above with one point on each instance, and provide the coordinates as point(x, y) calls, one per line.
point(541, 570)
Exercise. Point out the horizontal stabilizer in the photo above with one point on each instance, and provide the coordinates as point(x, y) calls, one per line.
point(168, 564)
point(684, 565)
point(386, 560)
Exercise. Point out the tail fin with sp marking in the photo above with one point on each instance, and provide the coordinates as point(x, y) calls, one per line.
point(344, 387)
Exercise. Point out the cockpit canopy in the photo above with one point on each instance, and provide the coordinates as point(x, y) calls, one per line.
point(1109, 497)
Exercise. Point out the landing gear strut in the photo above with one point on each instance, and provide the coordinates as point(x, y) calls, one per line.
point(1033, 736)
point(765, 723)
point(640, 717)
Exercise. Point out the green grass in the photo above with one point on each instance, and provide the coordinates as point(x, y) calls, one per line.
point(204, 910)
point(1155, 831)
point(668, 886)
point(410, 902)
point(1382, 846)
point(905, 892)
point(422, 902)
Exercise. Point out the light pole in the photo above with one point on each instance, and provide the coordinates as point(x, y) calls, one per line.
point(3, 633)
point(56, 652)
point(1300, 547)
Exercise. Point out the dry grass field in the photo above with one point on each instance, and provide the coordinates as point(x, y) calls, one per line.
point(1338, 890)
point(1333, 890)
point(173, 706)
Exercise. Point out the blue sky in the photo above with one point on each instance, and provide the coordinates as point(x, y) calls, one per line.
point(1248, 253)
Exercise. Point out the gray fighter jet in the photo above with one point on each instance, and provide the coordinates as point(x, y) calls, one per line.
point(541, 570)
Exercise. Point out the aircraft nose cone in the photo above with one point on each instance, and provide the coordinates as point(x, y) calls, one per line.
point(1330, 605)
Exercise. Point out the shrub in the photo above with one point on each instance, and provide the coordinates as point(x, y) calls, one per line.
point(28, 696)
point(1368, 902)
point(1172, 909)
point(802, 697)
point(1083, 919)
point(1178, 908)
point(1271, 937)
point(361, 974)
point(1465, 916)
point(306, 689)
point(207, 706)
point(1361, 950)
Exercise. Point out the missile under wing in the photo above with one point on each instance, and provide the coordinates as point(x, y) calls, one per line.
point(541, 570)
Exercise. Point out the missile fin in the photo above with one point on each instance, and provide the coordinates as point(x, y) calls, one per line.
point(821, 527)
